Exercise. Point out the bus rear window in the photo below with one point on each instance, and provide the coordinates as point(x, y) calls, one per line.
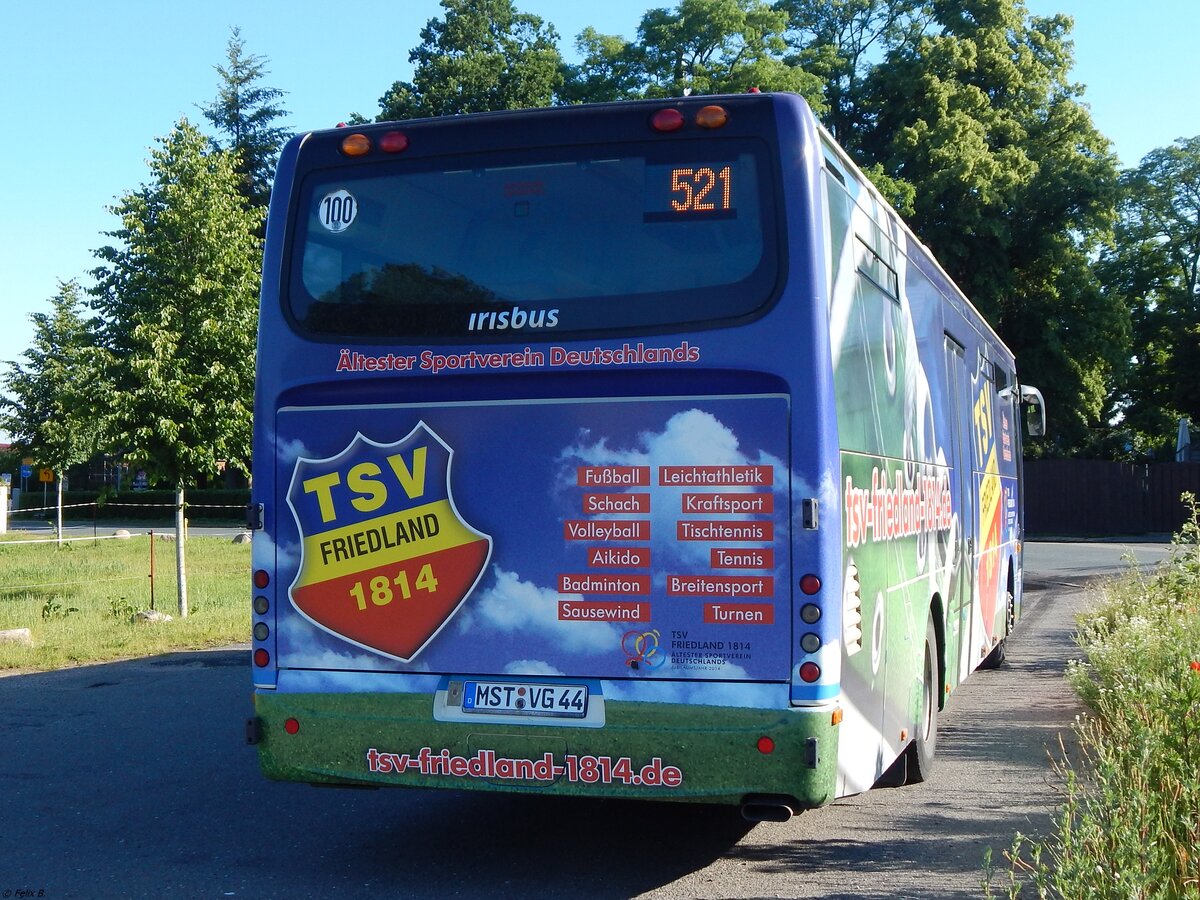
point(577, 239)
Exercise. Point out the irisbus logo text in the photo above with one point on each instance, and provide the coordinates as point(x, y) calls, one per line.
point(513, 319)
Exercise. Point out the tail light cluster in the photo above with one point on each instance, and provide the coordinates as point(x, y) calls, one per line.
point(261, 605)
point(359, 144)
point(671, 119)
point(263, 640)
point(666, 120)
point(810, 641)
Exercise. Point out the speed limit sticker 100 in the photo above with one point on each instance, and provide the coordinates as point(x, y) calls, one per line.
point(337, 210)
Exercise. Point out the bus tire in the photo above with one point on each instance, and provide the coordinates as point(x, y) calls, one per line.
point(921, 751)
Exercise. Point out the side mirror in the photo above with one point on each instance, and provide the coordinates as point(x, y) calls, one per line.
point(1034, 405)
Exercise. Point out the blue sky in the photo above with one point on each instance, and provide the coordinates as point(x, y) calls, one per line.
point(86, 87)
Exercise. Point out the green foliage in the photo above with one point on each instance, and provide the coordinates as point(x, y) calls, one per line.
point(1014, 190)
point(719, 46)
point(1130, 822)
point(53, 609)
point(1153, 266)
point(10, 459)
point(178, 300)
point(245, 112)
point(121, 609)
point(483, 55)
point(840, 42)
point(899, 193)
point(611, 69)
point(50, 401)
point(699, 47)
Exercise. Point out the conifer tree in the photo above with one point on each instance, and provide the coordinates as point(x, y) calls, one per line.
point(245, 113)
point(52, 398)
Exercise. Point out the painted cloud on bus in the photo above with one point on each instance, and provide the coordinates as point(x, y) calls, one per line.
point(510, 606)
point(692, 437)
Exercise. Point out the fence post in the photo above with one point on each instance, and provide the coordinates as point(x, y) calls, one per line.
point(58, 503)
point(152, 568)
point(3, 508)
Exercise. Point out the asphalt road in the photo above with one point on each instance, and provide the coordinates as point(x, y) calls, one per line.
point(132, 780)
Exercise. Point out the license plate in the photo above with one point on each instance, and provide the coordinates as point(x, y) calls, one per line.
point(508, 698)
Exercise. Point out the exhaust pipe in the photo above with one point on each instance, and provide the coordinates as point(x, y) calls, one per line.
point(769, 807)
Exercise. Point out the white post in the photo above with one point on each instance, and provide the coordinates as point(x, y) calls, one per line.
point(181, 572)
point(59, 501)
point(3, 507)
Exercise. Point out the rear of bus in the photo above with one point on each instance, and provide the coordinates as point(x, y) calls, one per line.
point(543, 447)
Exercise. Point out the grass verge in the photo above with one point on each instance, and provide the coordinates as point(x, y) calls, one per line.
point(77, 600)
point(1129, 823)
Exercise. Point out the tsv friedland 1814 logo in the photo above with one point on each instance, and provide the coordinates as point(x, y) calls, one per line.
point(386, 558)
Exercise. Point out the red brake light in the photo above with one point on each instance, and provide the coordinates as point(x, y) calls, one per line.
point(810, 584)
point(261, 657)
point(394, 142)
point(766, 745)
point(810, 672)
point(667, 120)
point(291, 726)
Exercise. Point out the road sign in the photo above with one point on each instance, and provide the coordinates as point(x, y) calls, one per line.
point(46, 475)
point(26, 471)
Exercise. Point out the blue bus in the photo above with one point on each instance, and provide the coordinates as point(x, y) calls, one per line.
point(627, 450)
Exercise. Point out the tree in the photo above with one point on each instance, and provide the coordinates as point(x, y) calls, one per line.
point(51, 399)
point(720, 46)
point(840, 41)
point(1153, 265)
point(612, 69)
point(178, 306)
point(1014, 191)
point(483, 55)
point(245, 113)
point(699, 47)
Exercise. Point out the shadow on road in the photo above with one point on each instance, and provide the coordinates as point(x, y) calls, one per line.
point(509, 846)
point(132, 779)
point(115, 774)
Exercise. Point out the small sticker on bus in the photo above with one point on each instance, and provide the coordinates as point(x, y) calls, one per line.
point(337, 210)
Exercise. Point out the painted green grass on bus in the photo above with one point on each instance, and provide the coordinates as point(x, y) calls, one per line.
point(715, 746)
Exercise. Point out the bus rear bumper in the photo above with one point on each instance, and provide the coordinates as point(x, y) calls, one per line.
point(764, 760)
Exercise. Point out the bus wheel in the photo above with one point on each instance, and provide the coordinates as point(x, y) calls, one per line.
point(920, 751)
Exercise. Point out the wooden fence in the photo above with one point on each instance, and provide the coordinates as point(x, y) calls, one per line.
point(1098, 498)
